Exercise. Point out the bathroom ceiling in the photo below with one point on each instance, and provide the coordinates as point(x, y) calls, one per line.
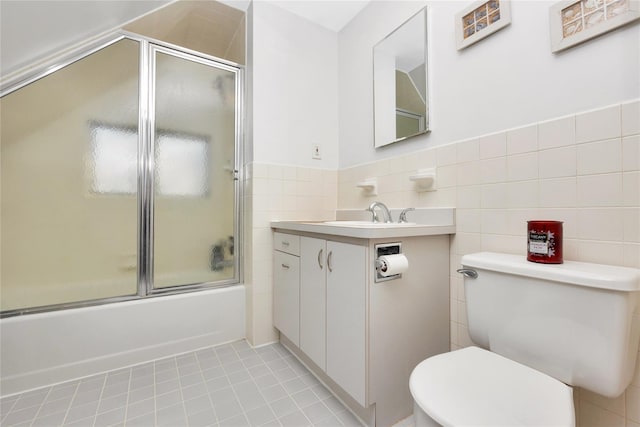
point(331, 14)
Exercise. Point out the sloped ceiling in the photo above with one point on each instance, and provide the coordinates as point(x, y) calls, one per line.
point(208, 27)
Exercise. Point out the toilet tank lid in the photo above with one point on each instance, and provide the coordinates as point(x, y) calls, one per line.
point(578, 273)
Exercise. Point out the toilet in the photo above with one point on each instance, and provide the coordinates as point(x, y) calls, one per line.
point(540, 329)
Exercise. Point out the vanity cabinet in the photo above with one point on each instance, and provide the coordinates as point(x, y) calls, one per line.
point(360, 336)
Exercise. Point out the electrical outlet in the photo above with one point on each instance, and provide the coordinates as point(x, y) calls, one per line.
point(316, 154)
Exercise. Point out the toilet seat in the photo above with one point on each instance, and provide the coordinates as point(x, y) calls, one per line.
point(476, 387)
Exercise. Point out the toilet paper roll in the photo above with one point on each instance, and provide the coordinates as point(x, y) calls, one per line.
point(392, 264)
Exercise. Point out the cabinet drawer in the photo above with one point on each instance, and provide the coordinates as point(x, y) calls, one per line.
point(288, 243)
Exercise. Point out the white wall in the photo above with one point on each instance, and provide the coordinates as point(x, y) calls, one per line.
point(33, 29)
point(293, 83)
point(295, 89)
point(506, 80)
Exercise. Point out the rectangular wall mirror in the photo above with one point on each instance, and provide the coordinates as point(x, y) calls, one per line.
point(401, 107)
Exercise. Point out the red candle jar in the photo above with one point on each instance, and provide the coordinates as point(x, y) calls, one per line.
point(544, 241)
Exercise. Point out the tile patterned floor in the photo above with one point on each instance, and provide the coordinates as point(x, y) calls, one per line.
point(229, 385)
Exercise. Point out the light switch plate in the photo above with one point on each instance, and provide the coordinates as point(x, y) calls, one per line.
point(316, 153)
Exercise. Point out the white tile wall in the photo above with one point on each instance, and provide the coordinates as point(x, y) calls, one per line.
point(277, 192)
point(599, 124)
point(583, 169)
point(557, 133)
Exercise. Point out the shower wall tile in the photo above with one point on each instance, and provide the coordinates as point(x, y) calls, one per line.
point(582, 169)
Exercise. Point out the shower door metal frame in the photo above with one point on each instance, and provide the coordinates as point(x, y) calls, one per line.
point(16, 81)
point(146, 164)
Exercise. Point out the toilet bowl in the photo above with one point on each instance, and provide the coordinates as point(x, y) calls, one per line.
point(539, 330)
point(473, 386)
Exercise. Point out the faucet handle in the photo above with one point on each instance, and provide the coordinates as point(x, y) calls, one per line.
point(374, 215)
point(403, 214)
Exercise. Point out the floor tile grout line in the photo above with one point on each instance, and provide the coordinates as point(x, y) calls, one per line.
point(75, 393)
point(126, 404)
point(41, 405)
point(205, 383)
point(184, 407)
point(9, 410)
point(320, 382)
point(235, 393)
point(288, 393)
point(104, 385)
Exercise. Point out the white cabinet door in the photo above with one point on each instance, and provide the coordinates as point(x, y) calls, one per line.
point(346, 318)
point(286, 295)
point(313, 298)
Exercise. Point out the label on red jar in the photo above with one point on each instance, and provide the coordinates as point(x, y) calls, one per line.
point(542, 243)
point(538, 242)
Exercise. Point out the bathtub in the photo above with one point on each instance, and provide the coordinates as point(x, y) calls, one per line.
point(48, 348)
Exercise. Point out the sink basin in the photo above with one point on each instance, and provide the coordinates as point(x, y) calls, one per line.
point(369, 224)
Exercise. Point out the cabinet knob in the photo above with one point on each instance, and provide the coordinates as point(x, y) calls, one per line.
point(320, 259)
point(286, 266)
point(329, 261)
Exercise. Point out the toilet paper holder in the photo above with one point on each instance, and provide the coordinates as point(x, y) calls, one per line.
point(385, 249)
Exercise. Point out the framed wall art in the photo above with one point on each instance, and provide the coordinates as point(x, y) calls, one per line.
point(575, 21)
point(481, 19)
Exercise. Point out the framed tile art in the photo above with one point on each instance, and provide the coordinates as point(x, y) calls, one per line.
point(481, 19)
point(575, 21)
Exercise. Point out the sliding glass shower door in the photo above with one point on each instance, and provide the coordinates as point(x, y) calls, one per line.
point(194, 135)
point(118, 178)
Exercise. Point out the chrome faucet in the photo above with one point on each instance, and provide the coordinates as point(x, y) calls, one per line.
point(403, 215)
point(383, 208)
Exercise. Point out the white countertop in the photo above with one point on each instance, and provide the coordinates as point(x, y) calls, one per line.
point(373, 232)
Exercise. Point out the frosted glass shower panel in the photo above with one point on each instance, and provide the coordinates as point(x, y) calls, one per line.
point(68, 230)
point(194, 187)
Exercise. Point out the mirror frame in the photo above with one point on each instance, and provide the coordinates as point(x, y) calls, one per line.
point(377, 140)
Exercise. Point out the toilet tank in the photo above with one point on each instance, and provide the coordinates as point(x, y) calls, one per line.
point(577, 322)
